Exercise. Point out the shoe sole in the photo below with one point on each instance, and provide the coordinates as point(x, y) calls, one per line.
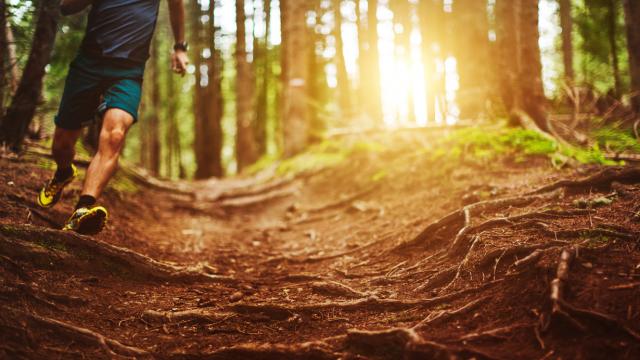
point(92, 223)
point(59, 195)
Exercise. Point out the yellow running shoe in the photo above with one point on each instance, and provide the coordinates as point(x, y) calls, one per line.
point(87, 221)
point(51, 193)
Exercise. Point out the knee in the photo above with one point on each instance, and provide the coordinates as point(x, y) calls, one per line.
point(114, 137)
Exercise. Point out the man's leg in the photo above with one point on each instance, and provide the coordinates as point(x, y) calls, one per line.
point(64, 147)
point(115, 125)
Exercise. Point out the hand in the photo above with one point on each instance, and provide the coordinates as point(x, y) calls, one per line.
point(179, 62)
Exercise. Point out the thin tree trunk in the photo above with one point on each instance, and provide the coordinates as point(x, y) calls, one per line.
point(262, 104)
point(362, 57)
point(214, 104)
point(200, 137)
point(23, 106)
point(566, 24)
point(472, 53)
point(402, 16)
point(246, 153)
point(295, 99)
point(431, 33)
point(12, 57)
point(612, 16)
point(374, 94)
point(344, 88)
point(506, 65)
point(154, 122)
point(3, 54)
point(632, 20)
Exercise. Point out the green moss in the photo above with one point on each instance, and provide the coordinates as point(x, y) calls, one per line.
point(617, 140)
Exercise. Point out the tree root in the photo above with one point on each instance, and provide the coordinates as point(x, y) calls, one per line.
point(495, 332)
point(342, 202)
point(113, 258)
point(200, 316)
point(316, 350)
point(459, 221)
point(333, 288)
point(283, 312)
point(575, 316)
point(448, 314)
point(259, 199)
point(112, 347)
point(600, 179)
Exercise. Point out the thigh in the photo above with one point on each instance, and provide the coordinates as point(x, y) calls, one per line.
point(125, 95)
point(80, 99)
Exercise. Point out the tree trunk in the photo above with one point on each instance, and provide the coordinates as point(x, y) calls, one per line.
point(12, 57)
point(632, 20)
point(362, 57)
point(612, 16)
point(374, 94)
point(23, 106)
point(214, 103)
point(471, 50)
point(246, 153)
point(402, 16)
point(431, 33)
point(262, 106)
point(344, 88)
point(3, 54)
point(566, 24)
point(518, 35)
point(153, 120)
point(295, 100)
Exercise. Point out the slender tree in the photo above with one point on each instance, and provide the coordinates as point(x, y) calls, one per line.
point(362, 55)
point(566, 24)
point(15, 123)
point(632, 21)
point(153, 120)
point(246, 153)
point(404, 25)
point(262, 58)
point(214, 107)
point(295, 101)
point(3, 53)
point(612, 24)
point(344, 87)
point(521, 85)
point(374, 94)
point(471, 49)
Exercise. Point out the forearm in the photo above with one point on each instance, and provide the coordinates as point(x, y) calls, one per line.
point(176, 16)
point(70, 7)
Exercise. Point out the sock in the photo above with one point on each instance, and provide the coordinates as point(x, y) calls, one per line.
point(63, 173)
point(85, 201)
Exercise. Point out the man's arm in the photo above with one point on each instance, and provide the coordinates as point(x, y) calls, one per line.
point(70, 7)
point(179, 59)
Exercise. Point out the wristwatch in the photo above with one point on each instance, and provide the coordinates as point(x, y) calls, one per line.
point(182, 46)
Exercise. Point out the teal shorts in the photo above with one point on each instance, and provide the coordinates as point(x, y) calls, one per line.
point(95, 85)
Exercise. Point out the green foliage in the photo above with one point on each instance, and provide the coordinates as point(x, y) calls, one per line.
point(486, 145)
point(617, 140)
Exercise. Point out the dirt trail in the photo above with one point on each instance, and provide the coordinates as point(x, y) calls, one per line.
point(388, 255)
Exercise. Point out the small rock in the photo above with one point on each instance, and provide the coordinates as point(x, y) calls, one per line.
point(588, 265)
point(11, 183)
point(236, 296)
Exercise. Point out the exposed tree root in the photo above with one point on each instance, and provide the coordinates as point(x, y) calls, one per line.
point(259, 199)
point(112, 258)
point(600, 179)
point(575, 316)
point(201, 316)
point(333, 288)
point(459, 221)
point(342, 202)
point(316, 350)
point(285, 311)
point(112, 347)
point(578, 233)
point(496, 333)
point(443, 315)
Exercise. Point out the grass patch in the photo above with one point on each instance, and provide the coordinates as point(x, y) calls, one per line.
point(617, 140)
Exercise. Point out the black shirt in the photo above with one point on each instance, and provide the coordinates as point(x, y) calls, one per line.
point(121, 29)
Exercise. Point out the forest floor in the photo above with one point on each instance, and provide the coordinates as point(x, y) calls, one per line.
point(391, 250)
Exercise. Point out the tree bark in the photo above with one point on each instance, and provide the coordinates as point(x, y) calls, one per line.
point(612, 16)
point(154, 121)
point(472, 54)
point(15, 123)
point(566, 24)
point(344, 88)
point(372, 83)
point(262, 106)
point(295, 101)
point(3, 54)
point(521, 67)
point(632, 20)
point(214, 104)
point(246, 153)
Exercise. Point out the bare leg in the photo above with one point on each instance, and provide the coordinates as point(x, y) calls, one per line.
point(64, 146)
point(115, 125)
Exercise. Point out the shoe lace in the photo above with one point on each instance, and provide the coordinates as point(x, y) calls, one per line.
point(52, 188)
